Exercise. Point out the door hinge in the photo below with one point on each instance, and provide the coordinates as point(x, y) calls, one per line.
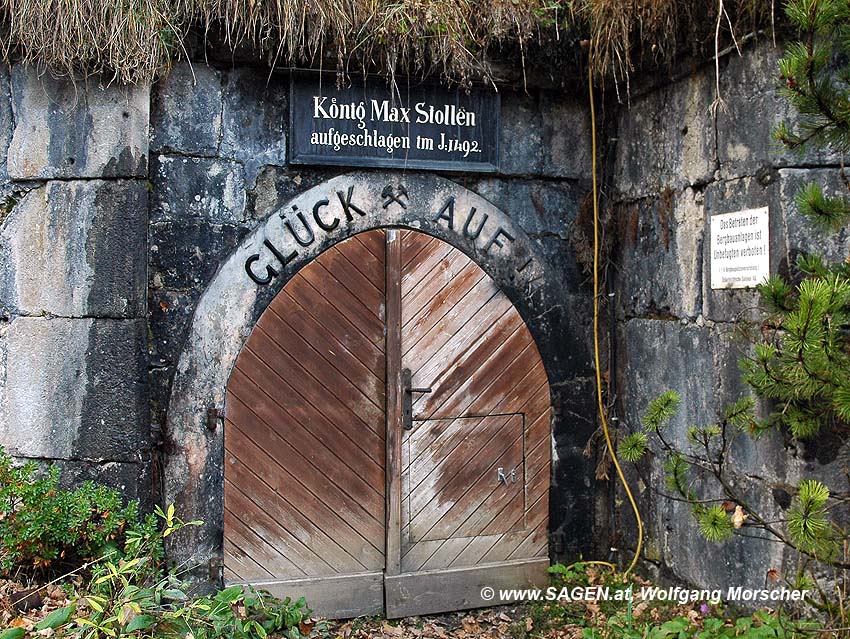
point(214, 417)
point(216, 570)
point(557, 543)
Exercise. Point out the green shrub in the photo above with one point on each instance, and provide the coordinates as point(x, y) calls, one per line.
point(137, 596)
point(761, 625)
point(42, 524)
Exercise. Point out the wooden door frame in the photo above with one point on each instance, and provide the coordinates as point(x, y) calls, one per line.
point(392, 551)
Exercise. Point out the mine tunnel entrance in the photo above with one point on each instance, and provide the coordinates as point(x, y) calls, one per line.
point(387, 435)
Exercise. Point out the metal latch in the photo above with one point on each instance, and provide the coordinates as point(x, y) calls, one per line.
point(407, 391)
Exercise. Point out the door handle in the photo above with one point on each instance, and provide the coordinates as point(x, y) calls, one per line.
point(407, 390)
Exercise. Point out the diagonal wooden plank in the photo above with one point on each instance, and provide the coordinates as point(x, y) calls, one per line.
point(347, 303)
point(417, 554)
point(368, 350)
point(229, 575)
point(411, 243)
point(428, 434)
point(476, 511)
point(446, 278)
point(278, 399)
point(333, 346)
point(361, 258)
point(537, 492)
point(441, 437)
point(309, 460)
point(438, 435)
point(296, 521)
point(428, 366)
point(319, 500)
point(446, 553)
point(508, 544)
point(237, 559)
point(261, 551)
point(483, 364)
point(524, 378)
point(326, 395)
point(478, 547)
point(434, 310)
point(346, 269)
point(429, 261)
point(242, 560)
point(325, 364)
point(470, 486)
point(535, 545)
point(374, 241)
point(258, 523)
point(473, 310)
point(537, 460)
point(476, 441)
point(484, 388)
point(421, 248)
point(470, 360)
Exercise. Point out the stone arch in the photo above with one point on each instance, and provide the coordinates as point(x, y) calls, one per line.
point(260, 266)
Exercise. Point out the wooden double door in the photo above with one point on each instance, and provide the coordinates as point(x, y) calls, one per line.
point(387, 436)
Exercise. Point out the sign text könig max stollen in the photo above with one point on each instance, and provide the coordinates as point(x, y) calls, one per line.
point(370, 123)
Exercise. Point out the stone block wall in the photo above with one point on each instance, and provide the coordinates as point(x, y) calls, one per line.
point(73, 276)
point(218, 168)
point(675, 167)
point(117, 206)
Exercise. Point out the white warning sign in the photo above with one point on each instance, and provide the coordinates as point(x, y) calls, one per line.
point(740, 248)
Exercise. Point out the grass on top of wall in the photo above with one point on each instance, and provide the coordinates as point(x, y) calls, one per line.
point(136, 40)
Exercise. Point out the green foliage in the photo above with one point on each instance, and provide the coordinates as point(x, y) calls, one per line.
point(676, 471)
point(776, 292)
point(800, 359)
point(740, 414)
point(57, 618)
point(761, 625)
point(661, 409)
point(702, 434)
point(714, 523)
point(575, 573)
point(829, 213)
point(803, 364)
point(804, 355)
point(135, 596)
point(817, 93)
point(129, 592)
point(808, 524)
point(656, 619)
point(41, 523)
point(632, 447)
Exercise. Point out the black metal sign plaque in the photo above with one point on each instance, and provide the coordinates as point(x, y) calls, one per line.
point(370, 123)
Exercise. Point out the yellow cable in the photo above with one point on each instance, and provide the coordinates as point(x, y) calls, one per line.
point(600, 404)
point(607, 564)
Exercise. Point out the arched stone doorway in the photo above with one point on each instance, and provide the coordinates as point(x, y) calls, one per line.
point(387, 435)
point(227, 312)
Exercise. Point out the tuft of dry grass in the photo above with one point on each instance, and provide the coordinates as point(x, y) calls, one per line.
point(136, 40)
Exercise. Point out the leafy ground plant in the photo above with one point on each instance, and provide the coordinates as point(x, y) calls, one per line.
point(42, 525)
point(137, 596)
